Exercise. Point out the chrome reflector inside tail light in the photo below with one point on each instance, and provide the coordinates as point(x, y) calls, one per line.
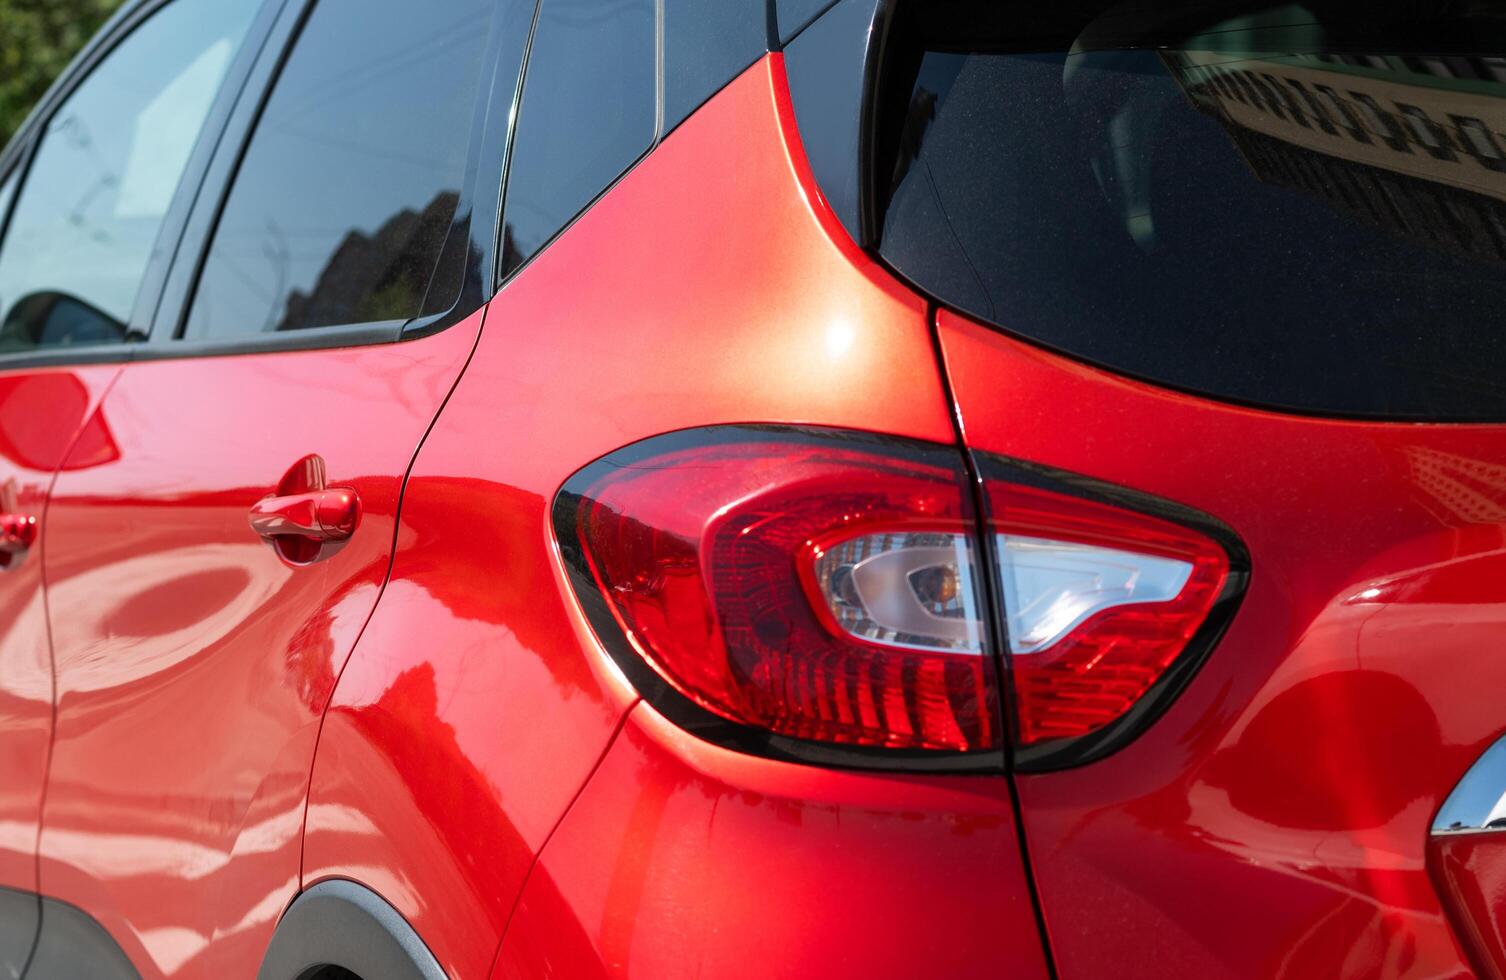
point(903, 589)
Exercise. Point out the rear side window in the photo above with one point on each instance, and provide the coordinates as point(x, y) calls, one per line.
point(1279, 216)
point(106, 170)
point(341, 207)
point(589, 110)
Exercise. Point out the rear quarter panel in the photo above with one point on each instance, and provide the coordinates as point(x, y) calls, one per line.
point(709, 286)
point(683, 859)
point(1274, 822)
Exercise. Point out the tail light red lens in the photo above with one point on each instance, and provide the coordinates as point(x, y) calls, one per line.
point(776, 588)
point(1099, 601)
point(819, 588)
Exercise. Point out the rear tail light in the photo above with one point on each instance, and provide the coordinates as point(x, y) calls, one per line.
point(822, 596)
point(1100, 601)
point(815, 588)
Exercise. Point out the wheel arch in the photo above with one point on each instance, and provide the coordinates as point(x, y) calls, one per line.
point(340, 923)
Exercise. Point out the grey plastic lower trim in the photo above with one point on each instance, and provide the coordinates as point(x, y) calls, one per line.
point(341, 923)
point(72, 945)
point(19, 916)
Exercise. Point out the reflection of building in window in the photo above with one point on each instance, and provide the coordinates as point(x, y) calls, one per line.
point(1416, 145)
point(379, 276)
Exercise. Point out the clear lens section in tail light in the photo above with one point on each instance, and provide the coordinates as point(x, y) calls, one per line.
point(785, 587)
point(1100, 602)
point(1052, 587)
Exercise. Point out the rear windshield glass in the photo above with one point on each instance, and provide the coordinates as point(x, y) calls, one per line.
point(1290, 207)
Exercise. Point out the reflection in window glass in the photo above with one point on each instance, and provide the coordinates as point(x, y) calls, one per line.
point(351, 181)
point(589, 110)
point(107, 169)
point(1343, 254)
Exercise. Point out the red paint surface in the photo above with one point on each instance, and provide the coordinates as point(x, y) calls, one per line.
point(1470, 872)
point(478, 702)
point(193, 662)
point(42, 414)
point(686, 860)
point(1273, 823)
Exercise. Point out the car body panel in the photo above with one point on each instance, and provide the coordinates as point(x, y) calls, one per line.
point(1300, 770)
point(193, 663)
point(43, 414)
point(1470, 872)
point(423, 724)
point(683, 859)
point(478, 702)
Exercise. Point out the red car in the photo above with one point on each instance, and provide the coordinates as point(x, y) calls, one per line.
point(656, 488)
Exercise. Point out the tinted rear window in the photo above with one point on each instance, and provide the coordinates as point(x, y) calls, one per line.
point(1276, 215)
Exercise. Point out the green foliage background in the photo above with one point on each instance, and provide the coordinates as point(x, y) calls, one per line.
point(37, 39)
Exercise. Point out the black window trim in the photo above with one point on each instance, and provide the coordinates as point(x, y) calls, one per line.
point(485, 200)
point(500, 274)
point(13, 163)
point(489, 142)
point(19, 156)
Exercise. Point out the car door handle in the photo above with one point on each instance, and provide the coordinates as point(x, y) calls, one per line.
point(320, 515)
point(18, 532)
